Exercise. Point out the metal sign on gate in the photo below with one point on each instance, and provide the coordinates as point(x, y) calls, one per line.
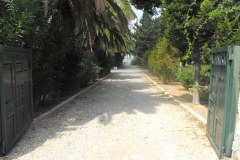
point(223, 98)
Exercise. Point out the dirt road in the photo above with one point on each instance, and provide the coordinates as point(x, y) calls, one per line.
point(125, 117)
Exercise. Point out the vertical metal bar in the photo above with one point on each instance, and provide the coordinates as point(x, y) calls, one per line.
point(233, 97)
point(31, 55)
point(3, 111)
point(1, 101)
point(228, 70)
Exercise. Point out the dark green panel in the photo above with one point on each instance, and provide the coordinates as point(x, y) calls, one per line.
point(16, 95)
point(224, 91)
point(218, 133)
point(210, 125)
point(8, 82)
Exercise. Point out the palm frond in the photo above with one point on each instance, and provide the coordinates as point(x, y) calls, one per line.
point(126, 8)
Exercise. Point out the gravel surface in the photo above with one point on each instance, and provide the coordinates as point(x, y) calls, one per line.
point(125, 117)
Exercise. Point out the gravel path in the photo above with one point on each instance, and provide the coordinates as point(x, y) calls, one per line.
point(125, 117)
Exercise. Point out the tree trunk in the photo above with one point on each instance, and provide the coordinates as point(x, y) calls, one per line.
point(196, 96)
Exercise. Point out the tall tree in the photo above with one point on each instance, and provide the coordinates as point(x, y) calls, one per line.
point(200, 24)
point(148, 6)
point(195, 27)
point(146, 35)
point(102, 18)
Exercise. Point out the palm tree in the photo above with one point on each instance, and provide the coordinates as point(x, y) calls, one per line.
point(106, 20)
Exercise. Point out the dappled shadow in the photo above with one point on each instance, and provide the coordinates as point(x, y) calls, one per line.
point(125, 91)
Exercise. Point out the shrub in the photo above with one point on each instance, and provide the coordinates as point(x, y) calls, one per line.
point(88, 70)
point(186, 75)
point(118, 59)
point(162, 60)
point(205, 75)
point(203, 93)
point(136, 61)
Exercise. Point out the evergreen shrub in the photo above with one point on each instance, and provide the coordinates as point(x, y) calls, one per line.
point(162, 60)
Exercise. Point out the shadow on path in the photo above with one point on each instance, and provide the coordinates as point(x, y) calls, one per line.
point(125, 91)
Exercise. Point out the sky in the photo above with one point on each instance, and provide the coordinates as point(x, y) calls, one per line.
point(139, 14)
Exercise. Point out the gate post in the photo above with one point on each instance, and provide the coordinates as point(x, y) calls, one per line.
point(236, 142)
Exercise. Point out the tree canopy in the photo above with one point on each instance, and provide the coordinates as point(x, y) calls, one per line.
point(195, 28)
point(73, 42)
point(148, 6)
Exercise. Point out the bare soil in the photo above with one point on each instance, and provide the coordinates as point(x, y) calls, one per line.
point(180, 93)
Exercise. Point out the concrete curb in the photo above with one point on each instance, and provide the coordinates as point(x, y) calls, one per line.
point(196, 115)
point(69, 99)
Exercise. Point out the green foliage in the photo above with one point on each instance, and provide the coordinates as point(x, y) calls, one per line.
point(162, 60)
point(136, 61)
point(16, 20)
point(227, 19)
point(186, 75)
point(203, 93)
point(205, 75)
point(148, 6)
point(195, 28)
point(129, 45)
point(89, 71)
point(118, 59)
point(146, 35)
point(126, 8)
point(69, 50)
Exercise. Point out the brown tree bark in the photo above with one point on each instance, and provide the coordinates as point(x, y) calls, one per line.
point(197, 64)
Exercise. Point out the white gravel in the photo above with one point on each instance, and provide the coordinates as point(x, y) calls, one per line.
point(122, 118)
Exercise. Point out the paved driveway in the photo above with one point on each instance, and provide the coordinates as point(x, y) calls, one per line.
point(125, 117)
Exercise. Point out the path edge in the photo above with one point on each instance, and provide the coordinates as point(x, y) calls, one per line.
point(69, 99)
point(186, 107)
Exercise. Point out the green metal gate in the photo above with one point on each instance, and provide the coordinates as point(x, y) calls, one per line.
point(16, 95)
point(223, 97)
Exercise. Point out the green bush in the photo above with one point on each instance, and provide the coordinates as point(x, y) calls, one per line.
point(205, 75)
point(118, 59)
point(88, 69)
point(136, 61)
point(186, 75)
point(203, 93)
point(17, 19)
point(162, 60)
